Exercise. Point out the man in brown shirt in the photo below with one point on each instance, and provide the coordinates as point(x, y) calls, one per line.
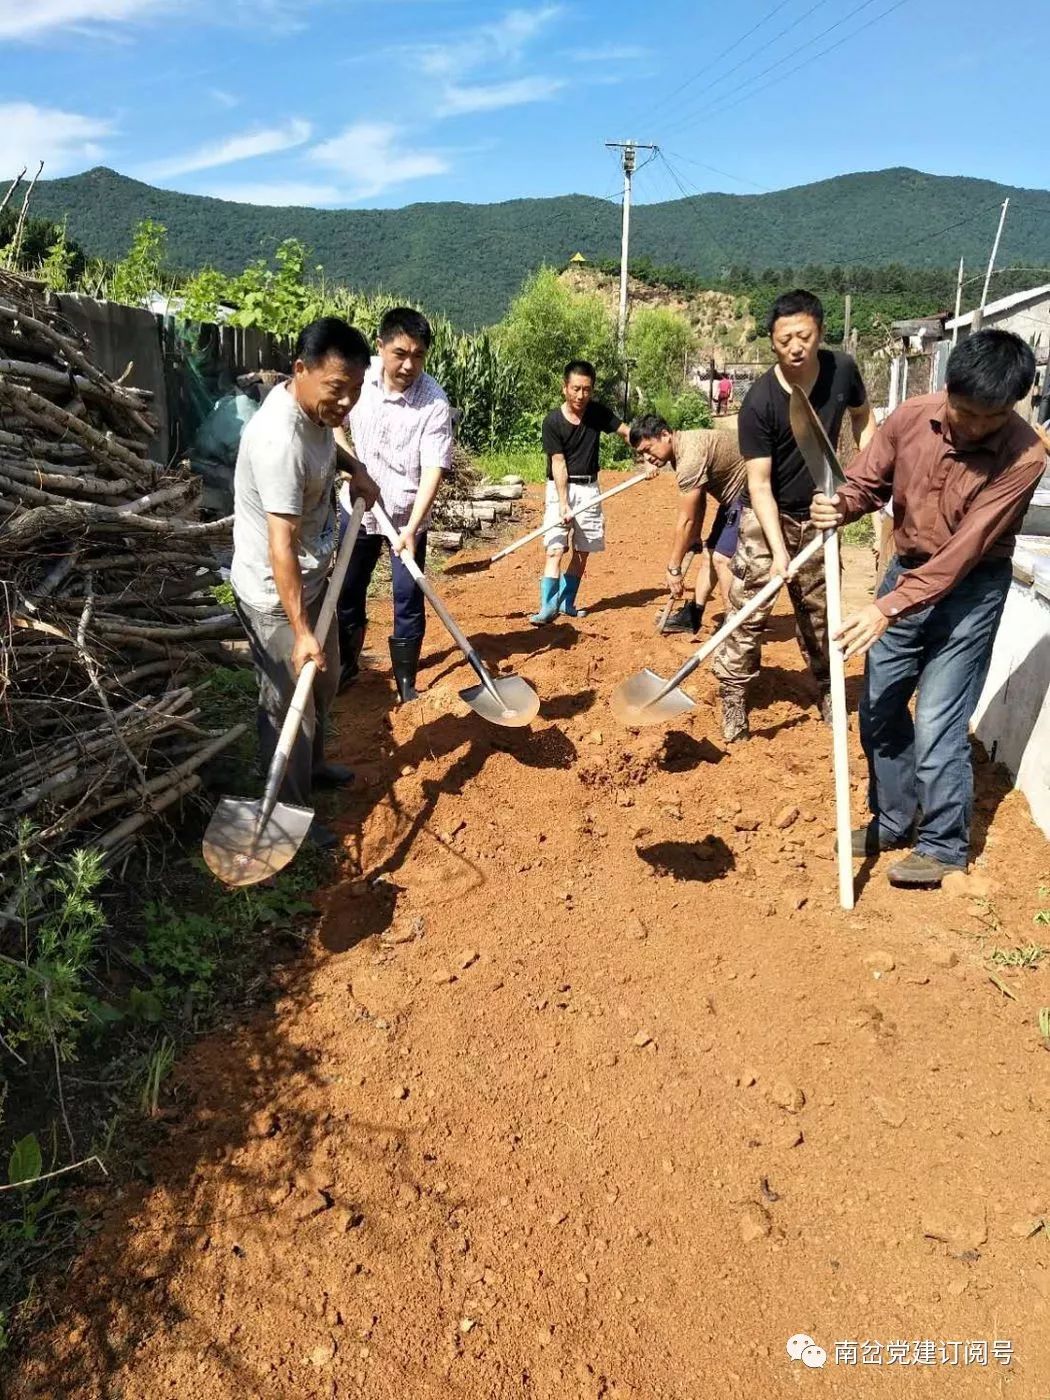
point(703, 459)
point(961, 468)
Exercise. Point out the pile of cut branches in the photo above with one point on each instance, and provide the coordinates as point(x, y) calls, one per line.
point(105, 601)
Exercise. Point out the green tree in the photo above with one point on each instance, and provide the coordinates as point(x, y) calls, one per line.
point(203, 293)
point(659, 340)
point(141, 270)
point(548, 325)
point(56, 268)
point(277, 299)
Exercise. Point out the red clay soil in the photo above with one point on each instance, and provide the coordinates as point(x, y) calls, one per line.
point(585, 1086)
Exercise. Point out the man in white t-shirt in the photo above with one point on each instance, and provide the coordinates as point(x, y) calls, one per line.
point(284, 534)
point(401, 429)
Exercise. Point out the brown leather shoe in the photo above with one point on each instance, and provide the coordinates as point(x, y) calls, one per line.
point(921, 870)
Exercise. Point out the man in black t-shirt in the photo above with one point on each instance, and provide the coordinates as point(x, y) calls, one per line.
point(572, 441)
point(775, 524)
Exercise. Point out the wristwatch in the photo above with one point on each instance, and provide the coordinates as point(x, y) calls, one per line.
point(674, 570)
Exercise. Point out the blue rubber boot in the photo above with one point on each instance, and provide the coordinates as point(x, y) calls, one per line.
point(548, 602)
point(570, 586)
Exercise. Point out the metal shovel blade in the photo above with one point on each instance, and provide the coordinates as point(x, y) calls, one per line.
point(238, 854)
point(518, 703)
point(638, 700)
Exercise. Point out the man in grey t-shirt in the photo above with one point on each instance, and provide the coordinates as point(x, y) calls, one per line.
point(284, 536)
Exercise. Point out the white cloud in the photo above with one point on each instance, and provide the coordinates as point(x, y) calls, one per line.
point(62, 140)
point(222, 98)
point(246, 145)
point(370, 157)
point(25, 19)
point(455, 101)
point(503, 40)
point(280, 193)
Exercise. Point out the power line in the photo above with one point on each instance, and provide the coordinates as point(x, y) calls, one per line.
point(669, 96)
point(726, 174)
point(779, 62)
point(674, 176)
point(769, 43)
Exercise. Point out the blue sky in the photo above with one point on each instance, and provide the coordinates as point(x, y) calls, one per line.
point(366, 103)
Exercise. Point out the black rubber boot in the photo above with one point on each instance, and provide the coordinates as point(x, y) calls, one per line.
point(350, 647)
point(686, 619)
point(404, 658)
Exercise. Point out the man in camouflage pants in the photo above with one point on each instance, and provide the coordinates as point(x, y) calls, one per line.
point(740, 656)
point(775, 522)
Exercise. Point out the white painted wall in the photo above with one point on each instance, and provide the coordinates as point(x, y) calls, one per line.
point(1031, 323)
point(1012, 718)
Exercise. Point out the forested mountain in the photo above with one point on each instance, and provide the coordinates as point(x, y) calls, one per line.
point(468, 259)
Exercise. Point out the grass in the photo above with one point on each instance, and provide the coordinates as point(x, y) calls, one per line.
point(860, 531)
point(528, 463)
point(1028, 956)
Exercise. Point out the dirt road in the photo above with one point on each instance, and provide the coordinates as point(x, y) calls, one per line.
point(585, 1087)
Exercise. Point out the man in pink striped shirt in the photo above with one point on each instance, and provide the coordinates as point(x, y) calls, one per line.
point(401, 427)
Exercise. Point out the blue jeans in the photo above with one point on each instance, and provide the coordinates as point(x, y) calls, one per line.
point(410, 618)
point(922, 768)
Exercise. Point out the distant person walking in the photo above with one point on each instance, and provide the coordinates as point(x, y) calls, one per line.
point(725, 394)
point(775, 522)
point(401, 429)
point(960, 468)
point(572, 442)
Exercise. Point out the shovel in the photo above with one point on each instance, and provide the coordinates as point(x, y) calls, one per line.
point(665, 611)
point(506, 700)
point(646, 698)
point(819, 456)
point(542, 529)
point(249, 841)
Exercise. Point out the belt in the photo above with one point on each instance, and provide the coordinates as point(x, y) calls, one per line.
point(584, 480)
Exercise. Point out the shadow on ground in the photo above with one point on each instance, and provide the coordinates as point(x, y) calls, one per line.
point(709, 859)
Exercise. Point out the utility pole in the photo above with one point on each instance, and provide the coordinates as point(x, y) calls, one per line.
point(958, 305)
point(847, 319)
point(995, 250)
point(629, 155)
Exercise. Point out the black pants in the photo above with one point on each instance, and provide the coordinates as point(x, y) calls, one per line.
point(409, 612)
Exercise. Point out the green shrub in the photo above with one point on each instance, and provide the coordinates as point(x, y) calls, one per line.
point(44, 989)
point(688, 409)
point(548, 325)
point(659, 342)
point(141, 270)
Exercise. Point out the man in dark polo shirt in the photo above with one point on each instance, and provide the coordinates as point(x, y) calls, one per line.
point(960, 468)
point(775, 522)
point(703, 460)
point(572, 441)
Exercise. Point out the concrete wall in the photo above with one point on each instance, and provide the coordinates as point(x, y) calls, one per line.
point(1031, 323)
point(123, 335)
point(1012, 718)
point(185, 367)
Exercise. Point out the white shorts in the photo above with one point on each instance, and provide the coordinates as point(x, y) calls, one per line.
point(588, 528)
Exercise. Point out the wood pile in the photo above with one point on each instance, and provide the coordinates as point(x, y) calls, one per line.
point(105, 601)
point(467, 504)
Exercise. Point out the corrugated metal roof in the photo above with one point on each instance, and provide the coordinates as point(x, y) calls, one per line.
point(995, 308)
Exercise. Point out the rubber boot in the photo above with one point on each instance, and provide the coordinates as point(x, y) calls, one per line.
point(350, 646)
point(570, 586)
point(404, 658)
point(686, 619)
point(548, 601)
